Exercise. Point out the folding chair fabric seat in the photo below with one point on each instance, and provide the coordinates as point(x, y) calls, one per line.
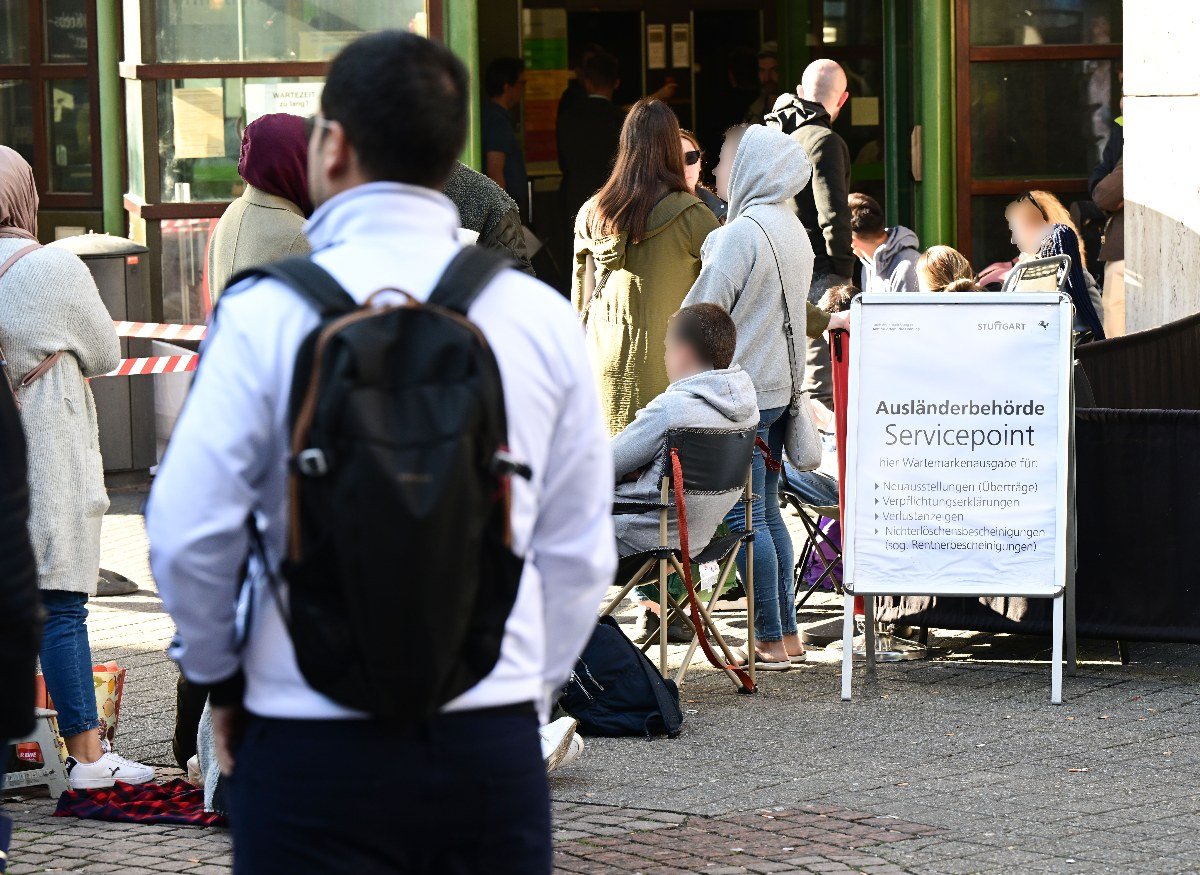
point(720, 546)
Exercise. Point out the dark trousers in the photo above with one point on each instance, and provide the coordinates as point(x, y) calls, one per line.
point(459, 793)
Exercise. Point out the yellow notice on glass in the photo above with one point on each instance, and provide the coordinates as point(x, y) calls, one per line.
point(864, 111)
point(199, 122)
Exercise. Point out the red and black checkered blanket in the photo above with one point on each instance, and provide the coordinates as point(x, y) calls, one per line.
point(176, 801)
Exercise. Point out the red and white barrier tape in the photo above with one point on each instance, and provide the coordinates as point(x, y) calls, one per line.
point(160, 364)
point(159, 331)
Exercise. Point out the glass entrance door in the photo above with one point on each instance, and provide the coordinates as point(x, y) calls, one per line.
point(1038, 92)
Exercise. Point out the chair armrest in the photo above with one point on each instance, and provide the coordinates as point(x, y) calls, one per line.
point(626, 508)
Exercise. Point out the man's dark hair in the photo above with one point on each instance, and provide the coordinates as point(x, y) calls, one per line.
point(601, 70)
point(402, 101)
point(866, 216)
point(838, 298)
point(502, 72)
point(709, 330)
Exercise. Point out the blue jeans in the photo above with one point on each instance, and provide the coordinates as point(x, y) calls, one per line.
point(774, 589)
point(812, 487)
point(67, 661)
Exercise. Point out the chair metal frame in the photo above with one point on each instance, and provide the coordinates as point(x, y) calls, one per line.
point(810, 518)
point(667, 560)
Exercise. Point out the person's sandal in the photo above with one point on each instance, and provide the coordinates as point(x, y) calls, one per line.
point(761, 664)
point(798, 658)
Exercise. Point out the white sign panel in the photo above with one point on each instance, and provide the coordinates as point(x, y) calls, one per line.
point(958, 435)
point(296, 98)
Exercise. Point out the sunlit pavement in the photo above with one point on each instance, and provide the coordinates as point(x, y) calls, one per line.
point(955, 765)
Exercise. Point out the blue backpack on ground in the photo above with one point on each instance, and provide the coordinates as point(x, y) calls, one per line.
point(615, 690)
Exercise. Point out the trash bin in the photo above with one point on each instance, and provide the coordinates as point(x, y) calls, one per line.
point(124, 405)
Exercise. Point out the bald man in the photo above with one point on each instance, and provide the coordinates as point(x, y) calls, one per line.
point(823, 206)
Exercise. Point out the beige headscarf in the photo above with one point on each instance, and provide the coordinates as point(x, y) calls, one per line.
point(18, 197)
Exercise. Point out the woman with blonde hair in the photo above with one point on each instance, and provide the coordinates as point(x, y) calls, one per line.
point(945, 269)
point(1041, 228)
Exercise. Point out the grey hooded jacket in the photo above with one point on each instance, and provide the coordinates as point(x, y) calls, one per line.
point(721, 399)
point(739, 270)
point(895, 263)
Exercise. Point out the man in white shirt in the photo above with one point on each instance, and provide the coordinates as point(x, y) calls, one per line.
point(315, 786)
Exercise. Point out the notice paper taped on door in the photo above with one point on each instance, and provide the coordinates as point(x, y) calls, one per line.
point(199, 116)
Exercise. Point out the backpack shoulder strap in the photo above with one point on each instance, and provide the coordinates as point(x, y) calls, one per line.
point(468, 274)
point(668, 708)
point(307, 279)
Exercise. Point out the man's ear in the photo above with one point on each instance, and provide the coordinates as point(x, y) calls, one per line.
point(338, 157)
point(842, 100)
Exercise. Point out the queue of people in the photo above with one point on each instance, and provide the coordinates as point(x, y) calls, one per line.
point(691, 302)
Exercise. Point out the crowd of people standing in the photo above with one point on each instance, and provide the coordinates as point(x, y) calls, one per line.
point(693, 304)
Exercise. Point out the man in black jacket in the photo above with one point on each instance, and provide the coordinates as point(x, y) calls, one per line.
point(588, 133)
point(823, 206)
point(20, 603)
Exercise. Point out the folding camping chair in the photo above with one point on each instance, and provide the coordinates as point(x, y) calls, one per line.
point(1040, 275)
point(710, 462)
point(815, 538)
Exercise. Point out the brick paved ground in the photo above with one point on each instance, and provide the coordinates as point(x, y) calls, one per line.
point(957, 765)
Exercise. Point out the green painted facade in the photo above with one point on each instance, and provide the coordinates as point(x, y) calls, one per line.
point(934, 107)
point(462, 36)
point(112, 156)
point(918, 90)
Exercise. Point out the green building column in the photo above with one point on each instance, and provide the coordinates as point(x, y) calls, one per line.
point(112, 157)
point(794, 23)
point(461, 19)
point(934, 98)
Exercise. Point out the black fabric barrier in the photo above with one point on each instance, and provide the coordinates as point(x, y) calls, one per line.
point(1139, 538)
point(1157, 369)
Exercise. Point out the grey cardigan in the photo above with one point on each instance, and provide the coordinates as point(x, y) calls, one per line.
point(48, 303)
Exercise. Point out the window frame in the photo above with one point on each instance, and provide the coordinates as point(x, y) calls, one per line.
point(965, 55)
point(145, 72)
point(40, 74)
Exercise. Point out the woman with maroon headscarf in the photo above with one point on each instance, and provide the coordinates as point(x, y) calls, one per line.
point(266, 223)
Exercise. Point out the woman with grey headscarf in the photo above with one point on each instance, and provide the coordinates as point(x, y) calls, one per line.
point(56, 333)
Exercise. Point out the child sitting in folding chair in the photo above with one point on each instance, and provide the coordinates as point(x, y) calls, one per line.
point(706, 391)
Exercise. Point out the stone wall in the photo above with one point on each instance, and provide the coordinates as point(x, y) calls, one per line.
point(1162, 161)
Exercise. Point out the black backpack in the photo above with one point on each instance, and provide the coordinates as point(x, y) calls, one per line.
point(399, 564)
point(616, 690)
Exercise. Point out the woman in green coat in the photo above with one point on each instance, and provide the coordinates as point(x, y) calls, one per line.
point(637, 254)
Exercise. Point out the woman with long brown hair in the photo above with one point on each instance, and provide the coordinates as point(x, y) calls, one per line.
point(637, 253)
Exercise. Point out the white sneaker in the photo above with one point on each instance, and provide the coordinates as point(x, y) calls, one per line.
point(125, 770)
point(194, 775)
point(556, 741)
point(106, 771)
point(573, 751)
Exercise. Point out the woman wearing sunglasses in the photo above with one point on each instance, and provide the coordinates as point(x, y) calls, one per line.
point(692, 164)
point(637, 253)
point(1041, 227)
